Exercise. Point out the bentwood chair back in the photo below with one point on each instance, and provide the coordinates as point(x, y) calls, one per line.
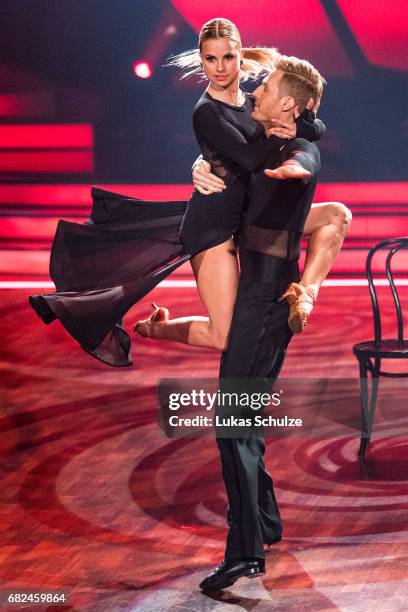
point(372, 353)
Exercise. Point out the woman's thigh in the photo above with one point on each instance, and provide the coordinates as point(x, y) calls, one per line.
point(217, 274)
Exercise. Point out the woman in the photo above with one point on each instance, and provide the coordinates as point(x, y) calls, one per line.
point(103, 267)
point(231, 141)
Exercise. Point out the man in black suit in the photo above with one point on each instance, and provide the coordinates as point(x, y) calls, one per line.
point(269, 251)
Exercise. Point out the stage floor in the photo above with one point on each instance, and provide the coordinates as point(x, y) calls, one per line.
point(97, 502)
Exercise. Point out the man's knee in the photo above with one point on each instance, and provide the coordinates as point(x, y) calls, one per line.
point(340, 215)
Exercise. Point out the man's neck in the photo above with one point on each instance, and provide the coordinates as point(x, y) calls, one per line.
point(282, 118)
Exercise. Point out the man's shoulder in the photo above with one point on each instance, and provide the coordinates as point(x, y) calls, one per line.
point(306, 143)
point(308, 149)
point(301, 144)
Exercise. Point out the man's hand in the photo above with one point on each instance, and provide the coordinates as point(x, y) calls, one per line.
point(281, 129)
point(288, 170)
point(205, 181)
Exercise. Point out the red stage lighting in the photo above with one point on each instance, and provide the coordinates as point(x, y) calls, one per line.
point(143, 70)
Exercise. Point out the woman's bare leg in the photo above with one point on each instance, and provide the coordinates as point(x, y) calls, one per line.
point(326, 226)
point(217, 274)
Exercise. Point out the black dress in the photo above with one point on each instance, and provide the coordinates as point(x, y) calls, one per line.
point(102, 267)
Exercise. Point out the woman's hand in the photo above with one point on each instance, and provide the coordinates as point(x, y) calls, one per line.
point(288, 130)
point(205, 181)
point(312, 105)
point(281, 129)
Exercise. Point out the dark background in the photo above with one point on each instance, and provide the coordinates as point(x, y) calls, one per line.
point(81, 52)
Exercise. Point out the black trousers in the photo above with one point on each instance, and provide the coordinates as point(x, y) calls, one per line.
point(258, 340)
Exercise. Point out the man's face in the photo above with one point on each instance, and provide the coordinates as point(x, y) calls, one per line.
point(267, 100)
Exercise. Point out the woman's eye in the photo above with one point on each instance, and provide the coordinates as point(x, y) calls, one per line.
point(229, 57)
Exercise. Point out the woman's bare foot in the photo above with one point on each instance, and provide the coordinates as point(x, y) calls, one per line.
point(301, 299)
point(145, 327)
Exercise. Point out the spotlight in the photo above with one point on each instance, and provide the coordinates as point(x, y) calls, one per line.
point(171, 30)
point(143, 70)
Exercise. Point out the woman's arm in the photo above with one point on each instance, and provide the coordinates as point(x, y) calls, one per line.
point(308, 127)
point(214, 128)
point(209, 122)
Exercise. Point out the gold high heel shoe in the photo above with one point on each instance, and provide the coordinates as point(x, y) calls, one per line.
point(144, 327)
point(301, 300)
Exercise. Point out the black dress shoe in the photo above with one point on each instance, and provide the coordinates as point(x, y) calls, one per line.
point(227, 572)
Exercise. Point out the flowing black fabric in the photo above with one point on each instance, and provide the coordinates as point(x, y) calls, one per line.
point(104, 266)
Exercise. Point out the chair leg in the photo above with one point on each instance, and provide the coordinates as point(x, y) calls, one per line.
point(368, 405)
point(364, 409)
point(375, 383)
point(363, 446)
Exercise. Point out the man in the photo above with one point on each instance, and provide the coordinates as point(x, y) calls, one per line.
point(269, 253)
point(326, 227)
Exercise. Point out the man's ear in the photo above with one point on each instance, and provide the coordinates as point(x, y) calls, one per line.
point(287, 103)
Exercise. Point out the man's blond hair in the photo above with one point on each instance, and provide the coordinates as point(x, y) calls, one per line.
point(300, 80)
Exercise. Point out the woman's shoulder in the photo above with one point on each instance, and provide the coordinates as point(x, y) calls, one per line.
point(206, 103)
point(206, 111)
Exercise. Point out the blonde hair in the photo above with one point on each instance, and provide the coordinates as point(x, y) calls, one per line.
point(300, 80)
point(256, 60)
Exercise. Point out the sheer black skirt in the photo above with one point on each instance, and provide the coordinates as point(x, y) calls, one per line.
point(101, 268)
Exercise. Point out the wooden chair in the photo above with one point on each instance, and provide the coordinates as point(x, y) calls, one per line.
point(370, 354)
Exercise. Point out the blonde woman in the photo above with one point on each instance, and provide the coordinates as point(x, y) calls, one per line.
point(232, 144)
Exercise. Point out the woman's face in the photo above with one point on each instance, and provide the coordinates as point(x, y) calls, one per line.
point(221, 61)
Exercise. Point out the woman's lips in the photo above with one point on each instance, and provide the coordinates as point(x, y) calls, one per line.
point(221, 78)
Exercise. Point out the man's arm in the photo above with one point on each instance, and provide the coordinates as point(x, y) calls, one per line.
point(306, 126)
point(300, 159)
